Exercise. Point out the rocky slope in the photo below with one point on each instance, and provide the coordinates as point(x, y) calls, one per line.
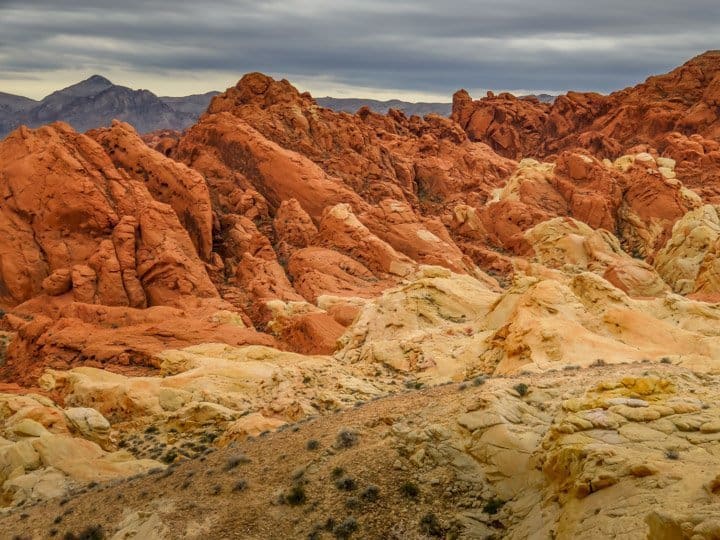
point(280, 262)
point(603, 453)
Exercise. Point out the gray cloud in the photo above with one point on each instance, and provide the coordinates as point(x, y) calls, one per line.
point(421, 46)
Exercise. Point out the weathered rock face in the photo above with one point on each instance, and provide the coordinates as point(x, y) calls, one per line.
point(264, 137)
point(377, 156)
point(167, 180)
point(637, 198)
point(689, 260)
point(697, 163)
point(684, 101)
point(119, 339)
point(68, 209)
point(46, 451)
point(573, 247)
point(442, 327)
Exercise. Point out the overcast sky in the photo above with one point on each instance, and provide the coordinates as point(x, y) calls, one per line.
point(417, 50)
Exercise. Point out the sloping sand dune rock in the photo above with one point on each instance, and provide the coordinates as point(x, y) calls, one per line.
point(449, 327)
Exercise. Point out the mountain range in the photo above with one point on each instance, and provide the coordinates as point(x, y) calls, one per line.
point(96, 101)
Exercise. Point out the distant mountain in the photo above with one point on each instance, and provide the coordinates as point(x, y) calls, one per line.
point(195, 104)
point(11, 103)
point(545, 98)
point(96, 101)
point(351, 105)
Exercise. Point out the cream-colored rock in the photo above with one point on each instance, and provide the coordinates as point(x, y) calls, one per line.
point(45, 483)
point(253, 424)
point(688, 261)
point(451, 327)
point(217, 384)
point(573, 247)
point(89, 424)
point(605, 478)
point(426, 326)
point(141, 525)
point(26, 428)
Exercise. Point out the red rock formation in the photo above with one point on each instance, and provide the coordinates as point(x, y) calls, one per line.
point(310, 333)
point(275, 203)
point(67, 208)
point(118, 339)
point(167, 180)
point(316, 271)
point(637, 200)
point(264, 135)
point(684, 100)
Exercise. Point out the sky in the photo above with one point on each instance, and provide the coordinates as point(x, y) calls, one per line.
point(419, 50)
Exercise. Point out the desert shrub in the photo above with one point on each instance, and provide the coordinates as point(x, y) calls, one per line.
point(170, 456)
point(522, 389)
point(240, 485)
point(493, 506)
point(92, 532)
point(430, 525)
point(346, 438)
point(345, 483)
point(370, 493)
point(346, 528)
point(234, 461)
point(410, 490)
point(313, 444)
point(296, 495)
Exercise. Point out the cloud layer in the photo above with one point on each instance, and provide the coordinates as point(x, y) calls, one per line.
point(419, 48)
